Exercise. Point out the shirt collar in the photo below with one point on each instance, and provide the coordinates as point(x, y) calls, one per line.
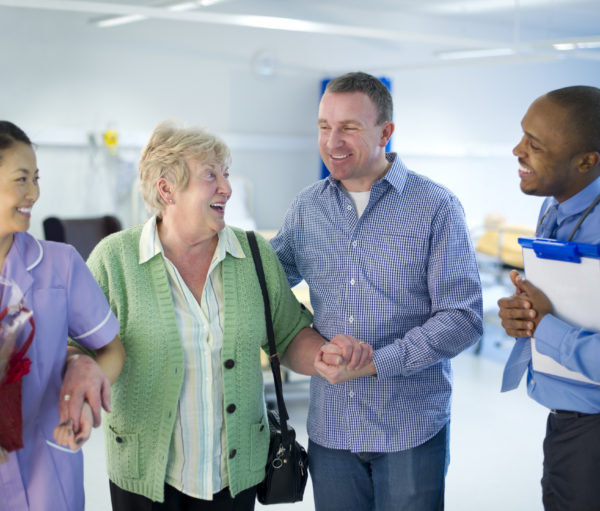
point(395, 176)
point(579, 202)
point(397, 173)
point(23, 256)
point(150, 245)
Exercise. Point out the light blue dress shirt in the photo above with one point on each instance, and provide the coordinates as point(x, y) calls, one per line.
point(402, 277)
point(575, 348)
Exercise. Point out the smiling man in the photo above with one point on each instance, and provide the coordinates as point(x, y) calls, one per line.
point(559, 157)
point(389, 262)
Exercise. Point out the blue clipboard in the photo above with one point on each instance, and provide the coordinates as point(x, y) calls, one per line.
point(569, 275)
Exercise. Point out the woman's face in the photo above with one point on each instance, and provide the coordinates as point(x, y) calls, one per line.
point(199, 208)
point(19, 188)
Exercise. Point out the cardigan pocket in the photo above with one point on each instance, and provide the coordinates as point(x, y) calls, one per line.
point(123, 454)
point(259, 445)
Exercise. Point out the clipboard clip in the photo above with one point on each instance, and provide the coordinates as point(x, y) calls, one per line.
point(560, 250)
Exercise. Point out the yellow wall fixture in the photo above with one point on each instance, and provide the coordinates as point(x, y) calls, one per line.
point(111, 140)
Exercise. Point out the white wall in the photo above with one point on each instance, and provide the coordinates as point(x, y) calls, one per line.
point(64, 83)
point(458, 125)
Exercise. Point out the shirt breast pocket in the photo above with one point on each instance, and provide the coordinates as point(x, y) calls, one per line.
point(50, 316)
point(396, 264)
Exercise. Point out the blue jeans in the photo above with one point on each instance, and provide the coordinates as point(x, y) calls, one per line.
point(411, 480)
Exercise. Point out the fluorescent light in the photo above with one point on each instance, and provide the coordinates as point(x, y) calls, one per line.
point(475, 54)
point(564, 46)
point(471, 7)
point(190, 6)
point(581, 45)
point(183, 6)
point(113, 21)
point(274, 23)
point(119, 20)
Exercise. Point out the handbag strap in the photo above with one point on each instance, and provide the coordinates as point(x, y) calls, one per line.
point(274, 356)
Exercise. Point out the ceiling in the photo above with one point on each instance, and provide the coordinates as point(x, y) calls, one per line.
point(335, 35)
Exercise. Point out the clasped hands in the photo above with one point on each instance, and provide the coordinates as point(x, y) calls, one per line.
point(522, 312)
point(85, 390)
point(344, 358)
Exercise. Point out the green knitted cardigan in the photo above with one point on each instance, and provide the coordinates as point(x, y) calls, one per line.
point(145, 396)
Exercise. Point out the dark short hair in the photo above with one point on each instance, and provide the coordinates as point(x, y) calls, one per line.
point(11, 133)
point(369, 85)
point(583, 105)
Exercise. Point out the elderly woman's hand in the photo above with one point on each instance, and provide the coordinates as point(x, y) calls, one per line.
point(84, 380)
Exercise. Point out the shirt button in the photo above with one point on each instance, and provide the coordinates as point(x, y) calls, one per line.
point(354, 243)
point(231, 408)
point(351, 319)
point(352, 282)
point(351, 394)
point(348, 207)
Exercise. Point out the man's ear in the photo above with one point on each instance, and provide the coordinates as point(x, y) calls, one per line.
point(589, 162)
point(386, 133)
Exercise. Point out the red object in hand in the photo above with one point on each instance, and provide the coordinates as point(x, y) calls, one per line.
point(18, 366)
point(11, 418)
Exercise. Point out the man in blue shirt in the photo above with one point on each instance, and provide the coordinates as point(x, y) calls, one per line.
point(559, 157)
point(389, 262)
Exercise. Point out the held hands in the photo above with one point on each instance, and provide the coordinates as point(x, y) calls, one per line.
point(522, 312)
point(65, 434)
point(344, 358)
point(83, 380)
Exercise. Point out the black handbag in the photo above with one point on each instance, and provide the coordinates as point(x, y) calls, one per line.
point(287, 462)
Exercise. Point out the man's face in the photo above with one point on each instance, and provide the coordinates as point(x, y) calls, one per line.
point(548, 152)
point(352, 145)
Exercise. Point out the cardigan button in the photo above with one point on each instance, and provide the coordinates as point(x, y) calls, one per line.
point(119, 440)
point(262, 427)
point(229, 363)
point(231, 408)
point(232, 454)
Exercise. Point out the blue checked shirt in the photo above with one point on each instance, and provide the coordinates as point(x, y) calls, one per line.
point(402, 277)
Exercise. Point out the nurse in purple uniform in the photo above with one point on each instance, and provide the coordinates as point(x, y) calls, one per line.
point(66, 301)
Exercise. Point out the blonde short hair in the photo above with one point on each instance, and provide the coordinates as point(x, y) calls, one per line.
point(165, 156)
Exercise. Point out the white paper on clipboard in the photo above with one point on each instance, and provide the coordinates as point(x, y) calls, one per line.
point(569, 275)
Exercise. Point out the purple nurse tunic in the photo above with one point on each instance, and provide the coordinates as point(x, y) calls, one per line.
point(66, 301)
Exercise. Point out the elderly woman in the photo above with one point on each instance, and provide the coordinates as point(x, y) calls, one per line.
point(188, 428)
point(65, 300)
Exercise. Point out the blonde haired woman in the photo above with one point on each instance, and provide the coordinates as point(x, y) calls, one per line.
point(188, 428)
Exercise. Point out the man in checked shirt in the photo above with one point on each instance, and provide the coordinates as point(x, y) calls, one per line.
point(389, 261)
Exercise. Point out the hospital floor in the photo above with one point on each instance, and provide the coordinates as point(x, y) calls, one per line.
point(495, 439)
